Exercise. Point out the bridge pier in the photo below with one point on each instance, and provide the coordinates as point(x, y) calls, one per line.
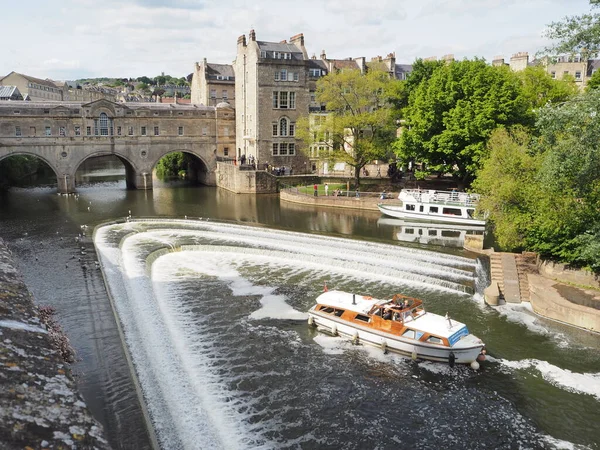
point(66, 183)
point(139, 180)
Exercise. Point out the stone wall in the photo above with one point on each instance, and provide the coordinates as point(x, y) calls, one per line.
point(235, 179)
point(548, 302)
point(39, 403)
point(363, 203)
point(561, 272)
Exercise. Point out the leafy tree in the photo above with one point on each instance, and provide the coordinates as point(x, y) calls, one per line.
point(145, 80)
point(141, 87)
point(400, 92)
point(172, 165)
point(539, 88)
point(594, 81)
point(576, 35)
point(161, 80)
point(451, 115)
point(359, 126)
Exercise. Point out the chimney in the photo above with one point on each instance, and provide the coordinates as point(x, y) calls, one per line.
point(323, 55)
point(204, 61)
point(519, 61)
point(242, 40)
point(297, 40)
point(498, 61)
point(252, 35)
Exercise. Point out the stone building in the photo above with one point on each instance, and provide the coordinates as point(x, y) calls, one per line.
point(64, 134)
point(212, 84)
point(271, 94)
point(32, 88)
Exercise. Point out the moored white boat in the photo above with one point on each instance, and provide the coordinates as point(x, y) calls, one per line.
point(400, 325)
point(435, 206)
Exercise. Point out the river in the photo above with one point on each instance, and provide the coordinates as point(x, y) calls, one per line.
point(219, 338)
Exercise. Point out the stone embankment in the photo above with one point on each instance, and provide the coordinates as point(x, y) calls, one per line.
point(40, 406)
point(365, 201)
point(522, 277)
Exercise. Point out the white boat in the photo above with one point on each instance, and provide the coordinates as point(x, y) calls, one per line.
point(434, 206)
point(400, 325)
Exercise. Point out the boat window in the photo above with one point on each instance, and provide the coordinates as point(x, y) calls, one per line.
point(451, 233)
point(432, 232)
point(433, 209)
point(470, 213)
point(434, 340)
point(410, 207)
point(452, 211)
point(363, 318)
point(409, 231)
point(409, 334)
point(339, 312)
point(327, 309)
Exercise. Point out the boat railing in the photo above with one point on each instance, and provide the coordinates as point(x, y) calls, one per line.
point(451, 198)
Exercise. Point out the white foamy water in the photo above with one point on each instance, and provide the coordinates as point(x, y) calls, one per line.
point(583, 383)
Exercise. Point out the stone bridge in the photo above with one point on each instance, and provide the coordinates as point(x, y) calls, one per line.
point(64, 135)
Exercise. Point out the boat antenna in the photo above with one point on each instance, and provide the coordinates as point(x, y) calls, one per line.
point(354, 299)
point(449, 321)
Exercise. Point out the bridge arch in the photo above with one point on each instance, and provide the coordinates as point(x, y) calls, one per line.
point(204, 171)
point(131, 170)
point(60, 178)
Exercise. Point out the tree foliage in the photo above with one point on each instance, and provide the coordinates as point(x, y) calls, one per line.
point(14, 169)
point(172, 165)
point(539, 88)
point(575, 35)
point(451, 115)
point(543, 192)
point(359, 126)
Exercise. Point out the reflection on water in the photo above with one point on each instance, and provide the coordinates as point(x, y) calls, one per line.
point(428, 233)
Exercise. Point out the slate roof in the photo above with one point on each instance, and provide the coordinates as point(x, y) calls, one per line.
point(48, 83)
point(224, 70)
point(317, 64)
point(342, 64)
point(593, 65)
point(281, 47)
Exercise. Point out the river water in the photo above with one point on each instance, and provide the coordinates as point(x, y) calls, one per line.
point(217, 329)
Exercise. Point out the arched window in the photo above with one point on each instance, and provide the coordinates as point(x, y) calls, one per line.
point(283, 127)
point(104, 125)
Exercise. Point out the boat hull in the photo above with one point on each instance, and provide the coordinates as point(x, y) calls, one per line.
point(399, 213)
point(377, 338)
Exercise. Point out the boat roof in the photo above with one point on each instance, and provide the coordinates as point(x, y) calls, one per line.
point(427, 322)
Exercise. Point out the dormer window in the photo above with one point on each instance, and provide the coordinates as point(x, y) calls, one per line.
point(263, 54)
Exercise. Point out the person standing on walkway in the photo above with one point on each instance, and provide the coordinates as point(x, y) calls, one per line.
point(316, 189)
point(357, 193)
point(326, 190)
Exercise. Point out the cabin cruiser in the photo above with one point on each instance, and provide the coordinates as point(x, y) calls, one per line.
point(434, 206)
point(399, 324)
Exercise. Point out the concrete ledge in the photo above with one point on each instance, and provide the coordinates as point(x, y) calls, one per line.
point(40, 406)
point(491, 294)
point(547, 302)
point(366, 204)
point(562, 273)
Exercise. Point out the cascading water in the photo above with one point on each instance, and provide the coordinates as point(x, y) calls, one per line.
point(213, 315)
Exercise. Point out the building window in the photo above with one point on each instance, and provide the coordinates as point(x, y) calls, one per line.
point(276, 55)
point(88, 131)
point(16, 111)
point(553, 74)
point(275, 99)
point(18, 131)
point(77, 131)
point(287, 56)
point(225, 131)
point(46, 111)
point(315, 72)
point(62, 131)
point(291, 148)
point(275, 148)
point(143, 131)
point(180, 131)
point(283, 148)
point(292, 100)
point(578, 75)
point(224, 92)
point(283, 100)
point(119, 131)
point(156, 131)
point(204, 131)
point(105, 125)
point(48, 131)
point(296, 76)
point(213, 93)
point(275, 129)
point(283, 124)
point(292, 129)
point(226, 151)
point(263, 54)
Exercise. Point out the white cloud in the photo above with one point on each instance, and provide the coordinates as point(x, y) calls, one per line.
point(146, 37)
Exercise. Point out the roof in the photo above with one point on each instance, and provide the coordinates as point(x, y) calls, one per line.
point(281, 47)
point(49, 83)
point(317, 64)
point(403, 68)
point(224, 70)
point(9, 91)
point(342, 64)
point(593, 65)
point(130, 105)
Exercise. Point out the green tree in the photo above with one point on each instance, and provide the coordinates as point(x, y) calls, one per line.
point(359, 126)
point(451, 115)
point(172, 165)
point(575, 35)
point(540, 89)
point(594, 81)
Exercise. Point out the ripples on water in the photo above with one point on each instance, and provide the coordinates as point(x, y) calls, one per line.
point(214, 316)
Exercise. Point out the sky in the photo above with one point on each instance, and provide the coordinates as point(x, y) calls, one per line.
point(72, 39)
